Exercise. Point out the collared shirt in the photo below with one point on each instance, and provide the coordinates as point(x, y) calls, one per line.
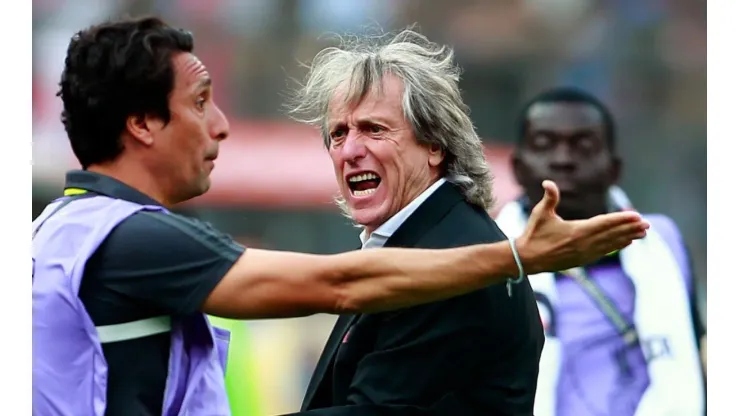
point(379, 237)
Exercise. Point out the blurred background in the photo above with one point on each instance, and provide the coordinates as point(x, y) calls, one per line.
point(273, 186)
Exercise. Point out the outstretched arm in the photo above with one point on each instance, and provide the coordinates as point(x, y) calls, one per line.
point(264, 284)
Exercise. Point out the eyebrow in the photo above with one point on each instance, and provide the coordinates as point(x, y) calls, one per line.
point(204, 84)
point(361, 122)
point(372, 120)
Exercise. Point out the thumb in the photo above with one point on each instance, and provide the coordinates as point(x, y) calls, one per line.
point(551, 198)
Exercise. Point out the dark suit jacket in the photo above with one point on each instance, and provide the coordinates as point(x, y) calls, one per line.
point(475, 354)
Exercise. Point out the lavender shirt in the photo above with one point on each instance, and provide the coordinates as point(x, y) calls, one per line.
point(600, 375)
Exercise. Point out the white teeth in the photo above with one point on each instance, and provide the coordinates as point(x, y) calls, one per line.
point(363, 193)
point(363, 177)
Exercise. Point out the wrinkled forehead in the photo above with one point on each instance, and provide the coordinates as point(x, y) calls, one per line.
point(381, 99)
point(189, 69)
point(564, 117)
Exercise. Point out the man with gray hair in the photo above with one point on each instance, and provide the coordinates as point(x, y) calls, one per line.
point(412, 173)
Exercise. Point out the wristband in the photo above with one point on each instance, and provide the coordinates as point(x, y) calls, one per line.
point(510, 281)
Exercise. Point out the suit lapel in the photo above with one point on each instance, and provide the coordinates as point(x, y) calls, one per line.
point(344, 322)
point(408, 234)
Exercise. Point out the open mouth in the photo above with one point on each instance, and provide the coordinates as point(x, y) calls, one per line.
point(363, 184)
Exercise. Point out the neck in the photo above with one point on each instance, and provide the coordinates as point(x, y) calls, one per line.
point(134, 176)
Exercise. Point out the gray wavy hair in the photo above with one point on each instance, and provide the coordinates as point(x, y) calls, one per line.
point(432, 101)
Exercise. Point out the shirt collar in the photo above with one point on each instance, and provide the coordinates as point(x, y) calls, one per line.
point(106, 185)
point(378, 237)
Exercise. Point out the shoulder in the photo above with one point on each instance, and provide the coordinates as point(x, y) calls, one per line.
point(149, 244)
point(151, 232)
point(155, 223)
point(163, 261)
point(464, 225)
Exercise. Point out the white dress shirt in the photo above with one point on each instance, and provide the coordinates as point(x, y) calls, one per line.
point(379, 237)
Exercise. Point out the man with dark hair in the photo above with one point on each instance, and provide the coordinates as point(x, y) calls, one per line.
point(590, 130)
point(121, 285)
point(622, 333)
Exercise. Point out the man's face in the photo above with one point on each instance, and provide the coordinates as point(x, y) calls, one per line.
point(379, 165)
point(566, 142)
point(184, 150)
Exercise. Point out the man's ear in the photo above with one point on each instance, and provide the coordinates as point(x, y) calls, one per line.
point(436, 155)
point(140, 128)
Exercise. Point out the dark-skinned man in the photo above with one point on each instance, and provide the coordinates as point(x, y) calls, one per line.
point(622, 334)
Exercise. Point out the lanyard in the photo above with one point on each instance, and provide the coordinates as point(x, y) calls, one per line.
point(626, 330)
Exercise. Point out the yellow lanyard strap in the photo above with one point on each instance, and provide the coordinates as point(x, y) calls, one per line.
point(74, 191)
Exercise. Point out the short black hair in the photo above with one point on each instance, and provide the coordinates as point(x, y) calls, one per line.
point(112, 71)
point(570, 95)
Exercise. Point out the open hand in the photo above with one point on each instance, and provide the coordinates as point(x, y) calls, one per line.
point(550, 243)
